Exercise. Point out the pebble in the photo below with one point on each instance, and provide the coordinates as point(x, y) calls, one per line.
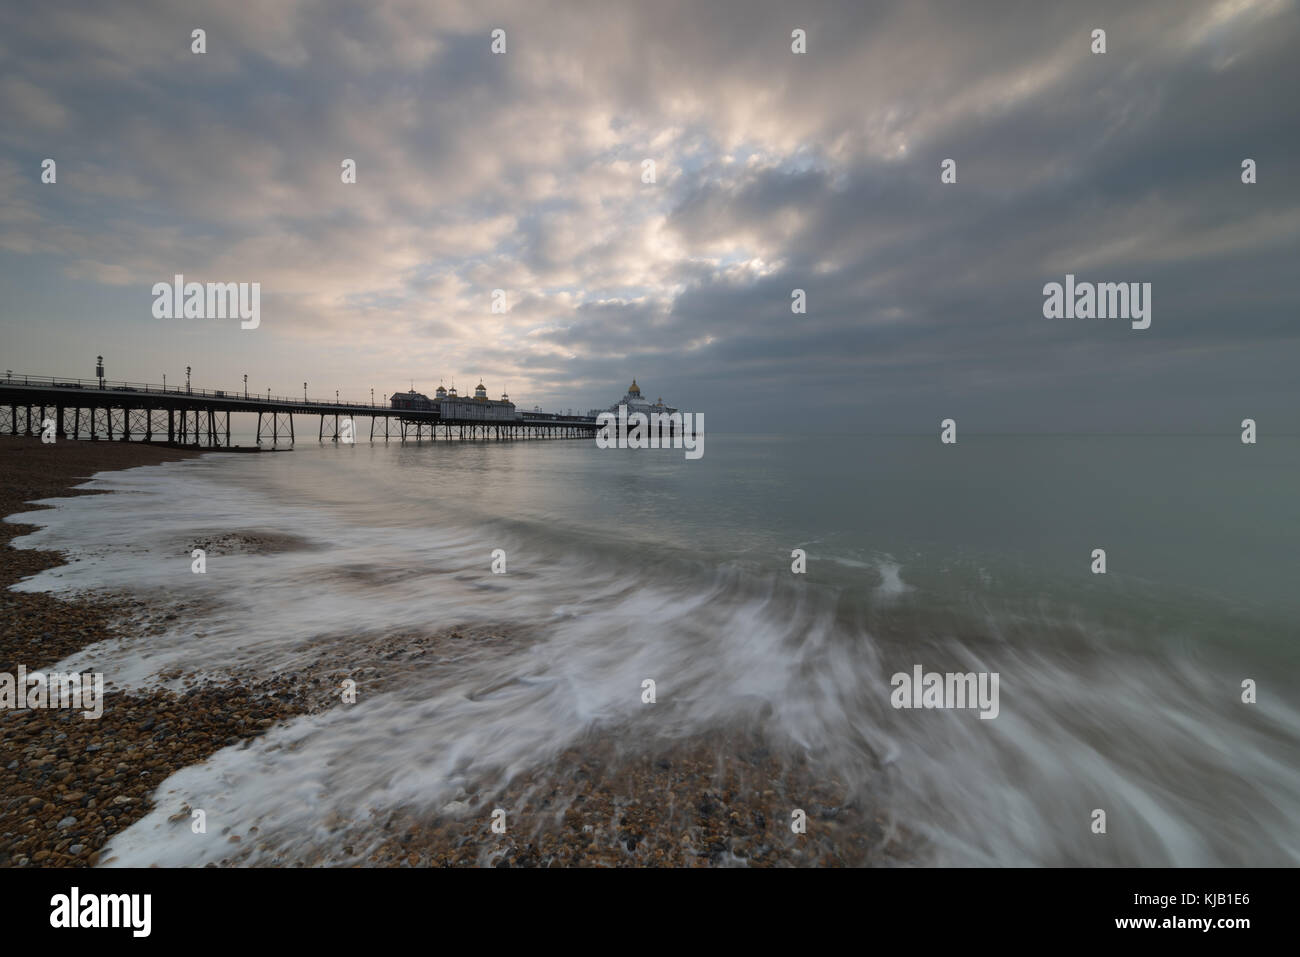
point(617, 801)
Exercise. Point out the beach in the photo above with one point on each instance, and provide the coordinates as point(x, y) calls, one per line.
point(620, 796)
point(70, 783)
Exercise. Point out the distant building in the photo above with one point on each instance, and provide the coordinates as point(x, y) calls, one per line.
point(413, 401)
point(452, 407)
point(635, 403)
point(480, 407)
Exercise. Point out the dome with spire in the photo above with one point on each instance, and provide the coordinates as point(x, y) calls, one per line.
point(480, 391)
point(441, 391)
point(634, 389)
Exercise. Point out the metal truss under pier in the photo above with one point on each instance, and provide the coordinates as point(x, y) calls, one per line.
point(90, 409)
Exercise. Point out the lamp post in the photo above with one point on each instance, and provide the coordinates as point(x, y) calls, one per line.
point(99, 370)
point(372, 395)
point(245, 385)
point(268, 393)
point(336, 396)
point(304, 392)
point(164, 381)
point(187, 380)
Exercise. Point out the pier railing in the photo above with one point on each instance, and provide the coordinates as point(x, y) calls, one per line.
point(149, 388)
point(125, 410)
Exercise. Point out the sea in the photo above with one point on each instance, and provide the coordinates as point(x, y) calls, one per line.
point(777, 583)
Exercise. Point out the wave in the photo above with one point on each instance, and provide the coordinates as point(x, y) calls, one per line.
point(1097, 712)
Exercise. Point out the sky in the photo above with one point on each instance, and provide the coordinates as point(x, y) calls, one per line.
point(524, 171)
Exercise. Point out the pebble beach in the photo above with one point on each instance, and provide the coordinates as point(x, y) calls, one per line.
point(621, 797)
point(70, 783)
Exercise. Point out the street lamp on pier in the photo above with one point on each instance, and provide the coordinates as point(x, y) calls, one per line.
point(187, 380)
point(304, 392)
point(99, 370)
point(245, 385)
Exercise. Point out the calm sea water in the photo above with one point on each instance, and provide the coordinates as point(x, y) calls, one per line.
point(1119, 691)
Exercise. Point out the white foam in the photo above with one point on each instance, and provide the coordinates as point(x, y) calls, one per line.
point(1098, 725)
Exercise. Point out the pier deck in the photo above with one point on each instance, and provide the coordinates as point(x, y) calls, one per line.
point(178, 415)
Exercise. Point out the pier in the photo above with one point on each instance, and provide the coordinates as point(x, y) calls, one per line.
point(97, 409)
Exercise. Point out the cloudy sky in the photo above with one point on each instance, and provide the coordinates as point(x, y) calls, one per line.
point(774, 171)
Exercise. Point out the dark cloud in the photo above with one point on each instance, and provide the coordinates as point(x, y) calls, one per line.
point(775, 172)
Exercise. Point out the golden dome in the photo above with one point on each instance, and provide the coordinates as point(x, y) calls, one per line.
point(634, 389)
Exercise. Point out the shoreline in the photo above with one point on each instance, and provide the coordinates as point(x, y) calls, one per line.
point(72, 783)
point(617, 798)
point(33, 471)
